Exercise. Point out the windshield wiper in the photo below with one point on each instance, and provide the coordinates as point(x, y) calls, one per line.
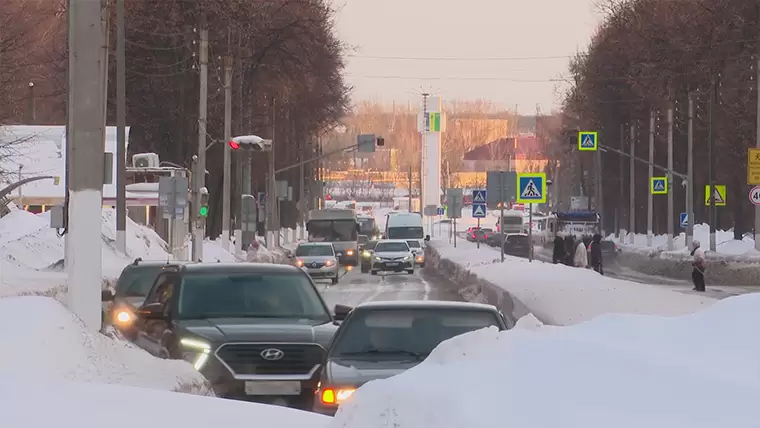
point(385, 351)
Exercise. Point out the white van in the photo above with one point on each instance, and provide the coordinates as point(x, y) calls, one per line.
point(404, 226)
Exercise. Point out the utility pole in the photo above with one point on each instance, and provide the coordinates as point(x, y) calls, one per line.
point(271, 197)
point(711, 165)
point(632, 187)
point(410, 187)
point(302, 206)
point(85, 144)
point(227, 178)
point(621, 204)
point(598, 186)
point(424, 157)
point(671, 219)
point(30, 109)
point(121, 130)
point(650, 197)
point(690, 176)
point(199, 179)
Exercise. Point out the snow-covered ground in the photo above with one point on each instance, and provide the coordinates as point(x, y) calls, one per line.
point(48, 403)
point(624, 371)
point(726, 246)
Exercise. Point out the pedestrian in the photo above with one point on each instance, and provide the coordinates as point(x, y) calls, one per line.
point(569, 249)
point(581, 256)
point(698, 273)
point(595, 251)
point(558, 255)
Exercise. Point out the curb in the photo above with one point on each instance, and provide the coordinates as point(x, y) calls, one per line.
point(477, 290)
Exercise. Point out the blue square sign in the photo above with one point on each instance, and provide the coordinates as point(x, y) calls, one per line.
point(478, 210)
point(531, 188)
point(440, 211)
point(478, 196)
point(684, 220)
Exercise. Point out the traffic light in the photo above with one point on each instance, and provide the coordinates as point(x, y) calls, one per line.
point(234, 145)
point(203, 210)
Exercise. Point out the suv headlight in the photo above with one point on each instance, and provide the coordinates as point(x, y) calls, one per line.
point(407, 258)
point(196, 352)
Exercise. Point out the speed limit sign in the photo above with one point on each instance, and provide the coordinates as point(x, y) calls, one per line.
point(754, 195)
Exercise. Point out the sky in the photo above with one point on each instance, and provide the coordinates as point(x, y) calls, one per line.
point(512, 53)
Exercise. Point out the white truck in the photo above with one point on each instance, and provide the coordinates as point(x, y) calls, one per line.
point(338, 226)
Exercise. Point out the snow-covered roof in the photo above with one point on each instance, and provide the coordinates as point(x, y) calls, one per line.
point(41, 150)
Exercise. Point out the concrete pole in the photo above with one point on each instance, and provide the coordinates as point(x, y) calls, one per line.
point(632, 187)
point(599, 190)
point(200, 173)
point(121, 130)
point(271, 197)
point(86, 38)
point(711, 165)
point(67, 247)
point(671, 208)
point(650, 197)
point(619, 216)
point(690, 177)
point(227, 179)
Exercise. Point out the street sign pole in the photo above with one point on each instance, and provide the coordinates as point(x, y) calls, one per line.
point(477, 241)
point(530, 233)
point(501, 214)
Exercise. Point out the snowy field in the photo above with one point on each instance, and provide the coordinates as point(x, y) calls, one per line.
point(623, 371)
point(726, 247)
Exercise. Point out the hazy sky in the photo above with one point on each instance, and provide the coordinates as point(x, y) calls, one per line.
point(510, 52)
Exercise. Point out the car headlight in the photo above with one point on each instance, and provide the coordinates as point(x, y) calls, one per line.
point(350, 252)
point(366, 254)
point(329, 263)
point(377, 259)
point(123, 317)
point(198, 352)
point(420, 259)
point(299, 263)
point(335, 396)
point(407, 258)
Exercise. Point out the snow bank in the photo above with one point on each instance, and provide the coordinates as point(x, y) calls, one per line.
point(95, 406)
point(559, 294)
point(623, 371)
point(42, 340)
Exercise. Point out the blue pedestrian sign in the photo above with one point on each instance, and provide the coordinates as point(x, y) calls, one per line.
point(440, 211)
point(659, 185)
point(531, 188)
point(478, 196)
point(588, 141)
point(261, 198)
point(684, 220)
point(478, 210)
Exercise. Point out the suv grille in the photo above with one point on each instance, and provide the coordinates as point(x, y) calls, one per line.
point(245, 358)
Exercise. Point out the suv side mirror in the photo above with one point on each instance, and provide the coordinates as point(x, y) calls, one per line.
point(106, 296)
point(151, 311)
point(427, 238)
point(341, 312)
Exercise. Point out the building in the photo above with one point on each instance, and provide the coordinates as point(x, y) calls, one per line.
point(521, 154)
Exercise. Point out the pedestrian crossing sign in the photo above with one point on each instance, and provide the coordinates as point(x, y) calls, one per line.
point(719, 196)
point(588, 141)
point(478, 196)
point(659, 185)
point(531, 188)
point(478, 210)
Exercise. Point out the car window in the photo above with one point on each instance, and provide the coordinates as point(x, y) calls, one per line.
point(405, 331)
point(414, 244)
point(163, 289)
point(405, 232)
point(391, 247)
point(314, 250)
point(137, 281)
point(273, 295)
point(517, 239)
point(487, 230)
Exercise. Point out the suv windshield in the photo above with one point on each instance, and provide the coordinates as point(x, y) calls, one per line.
point(314, 250)
point(401, 333)
point(414, 244)
point(273, 295)
point(391, 247)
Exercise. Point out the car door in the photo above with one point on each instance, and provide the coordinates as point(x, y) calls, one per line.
point(151, 331)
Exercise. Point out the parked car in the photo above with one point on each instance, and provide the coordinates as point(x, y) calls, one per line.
point(378, 340)
point(257, 331)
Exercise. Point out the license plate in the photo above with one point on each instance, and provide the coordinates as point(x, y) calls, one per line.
point(392, 264)
point(284, 387)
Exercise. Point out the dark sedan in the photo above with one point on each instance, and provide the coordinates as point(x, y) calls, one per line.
point(517, 244)
point(381, 339)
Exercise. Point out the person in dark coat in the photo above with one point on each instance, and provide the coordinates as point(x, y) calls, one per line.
point(596, 253)
point(559, 254)
point(569, 250)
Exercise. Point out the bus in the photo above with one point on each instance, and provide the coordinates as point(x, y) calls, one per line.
point(578, 223)
point(338, 226)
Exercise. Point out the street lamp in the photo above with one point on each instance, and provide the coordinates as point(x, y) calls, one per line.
point(253, 142)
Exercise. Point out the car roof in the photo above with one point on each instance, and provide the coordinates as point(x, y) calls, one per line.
point(232, 268)
point(315, 244)
point(157, 263)
point(425, 304)
point(396, 241)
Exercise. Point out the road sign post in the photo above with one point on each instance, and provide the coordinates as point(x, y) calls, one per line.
point(658, 185)
point(454, 209)
point(588, 141)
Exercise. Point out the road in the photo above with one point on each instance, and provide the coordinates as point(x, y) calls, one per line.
point(356, 287)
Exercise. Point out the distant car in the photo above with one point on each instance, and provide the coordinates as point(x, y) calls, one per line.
point(257, 331)
point(418, 251)
point(133, 285)
point(479, 234)
point(365, 254)
point(362, 239)
point(318, 259)
point(517, 244)
point(378, 340)
point(495, 239)
point(392, 255)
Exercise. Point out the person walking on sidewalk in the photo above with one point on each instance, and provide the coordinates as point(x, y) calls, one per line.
point(581, 256)
point(698, 273)
point(595, 251)
point(559, 253)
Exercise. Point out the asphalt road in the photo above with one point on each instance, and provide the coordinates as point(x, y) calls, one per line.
point(356, 287)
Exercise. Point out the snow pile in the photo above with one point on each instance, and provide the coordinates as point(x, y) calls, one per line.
point(95, 406)
point(44, 341)
point(726, 246)
point(623, 371)
point(562, 295)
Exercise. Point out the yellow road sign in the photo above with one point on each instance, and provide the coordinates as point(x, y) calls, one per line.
point(658, 185)
point(753, 167)
point(719, 197)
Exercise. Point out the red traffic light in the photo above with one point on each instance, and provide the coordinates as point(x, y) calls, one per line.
point(234, 145)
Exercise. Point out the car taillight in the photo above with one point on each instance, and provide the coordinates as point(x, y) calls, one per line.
point(473, 236)
point(485, 236)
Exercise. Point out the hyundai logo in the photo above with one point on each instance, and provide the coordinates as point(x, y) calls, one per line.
point(272, 354)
